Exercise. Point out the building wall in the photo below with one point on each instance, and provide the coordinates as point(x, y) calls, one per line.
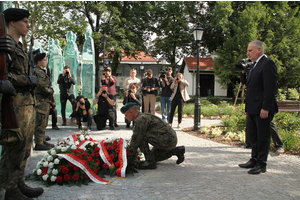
point(191, 78)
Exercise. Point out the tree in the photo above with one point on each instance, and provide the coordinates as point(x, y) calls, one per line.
point(172, 22)
point(48, 21)
point(276, 25)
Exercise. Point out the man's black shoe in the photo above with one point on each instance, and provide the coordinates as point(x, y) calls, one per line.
point(15, 194)
point(127, 125)
point(55, 128)
point(148, 165)
point(64, 124)
point(48, 144)
point(41, 147)
point(179, 152)
point(89, 128)
point(112, 128)
point(248, 146)
point(116, 125)
point(257, 170)
point(47, 138)
point(29, 191)
point(249, 164)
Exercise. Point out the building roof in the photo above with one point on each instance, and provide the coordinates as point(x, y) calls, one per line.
point(205, 63)
point(141, 56)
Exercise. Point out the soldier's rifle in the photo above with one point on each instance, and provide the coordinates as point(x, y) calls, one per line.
point(50, 74)
point(31, 63)
point(9, 117)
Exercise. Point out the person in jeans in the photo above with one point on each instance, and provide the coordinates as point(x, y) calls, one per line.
point(66, 82)
point(82, 112)
point(149, 89)
point(179, 97)
point(166, 81)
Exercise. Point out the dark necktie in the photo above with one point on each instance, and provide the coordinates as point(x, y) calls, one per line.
point(250, 71)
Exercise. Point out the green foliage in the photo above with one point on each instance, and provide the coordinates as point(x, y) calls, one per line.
point(293, 94)
point(243, 22)
point(281, 95)
point(287, 120)
point(290, 139)
point(214, 100)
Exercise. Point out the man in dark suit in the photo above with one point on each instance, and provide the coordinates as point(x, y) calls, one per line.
point(261, 105)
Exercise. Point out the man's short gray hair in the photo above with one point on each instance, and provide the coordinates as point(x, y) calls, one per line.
point(258, 43)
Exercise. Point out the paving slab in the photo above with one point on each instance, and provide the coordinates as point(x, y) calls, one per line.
point(210, 171)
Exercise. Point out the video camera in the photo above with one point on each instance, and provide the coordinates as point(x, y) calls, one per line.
point(163, 73)
point(245, 64)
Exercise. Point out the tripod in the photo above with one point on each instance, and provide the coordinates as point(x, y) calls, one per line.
point(242, 85)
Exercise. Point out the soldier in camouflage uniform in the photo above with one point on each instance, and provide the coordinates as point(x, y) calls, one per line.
point(15, 154)
point(43, 94)
point(150, 129)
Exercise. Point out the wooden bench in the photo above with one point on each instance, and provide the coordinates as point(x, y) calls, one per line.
point(288, 106)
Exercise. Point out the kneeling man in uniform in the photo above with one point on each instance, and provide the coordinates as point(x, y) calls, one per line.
point(150, 129)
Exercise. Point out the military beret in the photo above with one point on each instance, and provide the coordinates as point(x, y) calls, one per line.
point(15, 14)
point(37, 51)
point(39, 57)
point(128, 106)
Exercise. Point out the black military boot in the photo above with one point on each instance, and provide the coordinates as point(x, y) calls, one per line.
point(179, 152)
point(29, 191)
point(15, 194)
point(148, 164)
point(48, 144)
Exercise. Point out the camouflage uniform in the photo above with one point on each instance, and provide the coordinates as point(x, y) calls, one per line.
point(151, 129)
point(42, 93)
point(18, 146)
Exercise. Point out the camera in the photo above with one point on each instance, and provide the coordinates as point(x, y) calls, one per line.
point(81, 103)
point(162, 74)
point(245, 64)
point(178, 78)
point(103, 91)
point(130, 91)
point(67, 72)
point(148, 88)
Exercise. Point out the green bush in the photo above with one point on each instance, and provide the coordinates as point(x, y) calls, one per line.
point(289, 138)
point(281, 95)
point(287, 120)
point(293, 94)
point(214, 100)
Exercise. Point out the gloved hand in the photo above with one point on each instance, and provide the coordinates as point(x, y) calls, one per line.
point(53, 105)
point(51, 91)
point(7, 44)
point(32, 81)
point(6, 87)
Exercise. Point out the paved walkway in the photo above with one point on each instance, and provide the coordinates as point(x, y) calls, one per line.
point(210, 171)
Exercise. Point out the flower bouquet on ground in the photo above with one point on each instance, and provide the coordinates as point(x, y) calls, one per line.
point(80, 159)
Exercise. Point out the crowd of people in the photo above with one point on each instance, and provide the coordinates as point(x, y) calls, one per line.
point(33, 105)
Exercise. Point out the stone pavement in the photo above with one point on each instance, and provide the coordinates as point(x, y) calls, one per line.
point(210, 171)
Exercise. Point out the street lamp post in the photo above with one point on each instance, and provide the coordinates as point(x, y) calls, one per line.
point(198, 32)
point(142, 69)
point(104, 39)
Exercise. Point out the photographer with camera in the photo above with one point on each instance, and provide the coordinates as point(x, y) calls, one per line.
point(149, 89)
point(106, 109)
point(166, 80)
point(110, 81)
point(82, 112)
point(132, 96)
point(66, 83)
point(179, 97)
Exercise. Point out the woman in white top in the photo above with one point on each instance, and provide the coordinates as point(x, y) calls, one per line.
point(132, 80)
